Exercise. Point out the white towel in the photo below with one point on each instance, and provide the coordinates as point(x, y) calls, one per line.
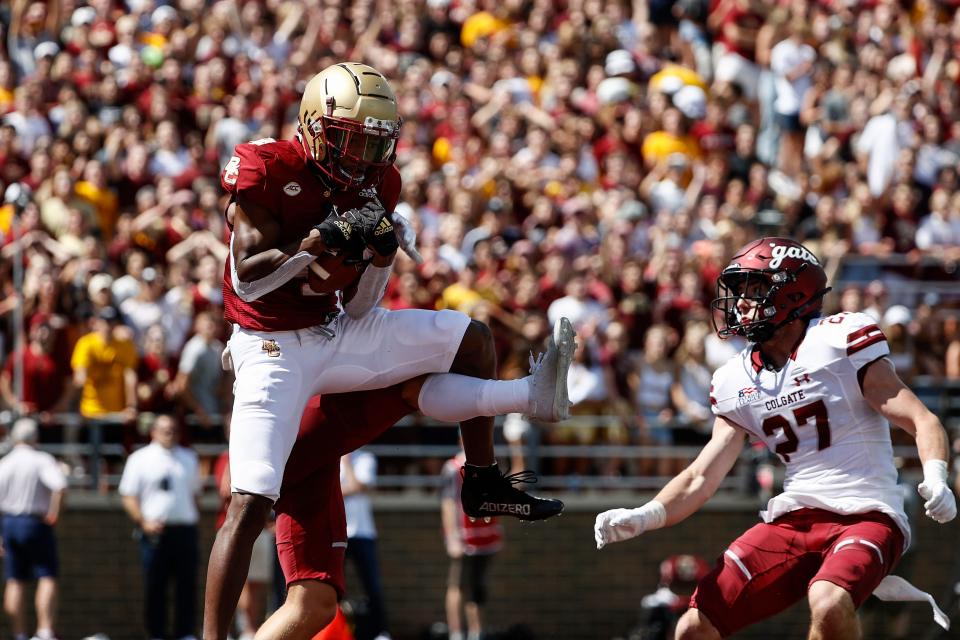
point(895, 588)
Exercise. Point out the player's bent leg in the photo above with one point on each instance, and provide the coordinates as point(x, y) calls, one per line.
point(833, 615)
point(230, 559)
point(486, 491)
point(695, 625)
point(310, 606)
point(477, 357)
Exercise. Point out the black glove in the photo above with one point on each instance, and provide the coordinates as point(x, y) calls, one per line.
point(384, 238)
point(364, 219)
point(337, 233)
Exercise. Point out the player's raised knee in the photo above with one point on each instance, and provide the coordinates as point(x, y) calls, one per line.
point(477, 354)
point(694, 625)
point(830, 604)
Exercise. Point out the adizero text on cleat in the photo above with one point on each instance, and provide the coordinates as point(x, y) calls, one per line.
point(487, 493)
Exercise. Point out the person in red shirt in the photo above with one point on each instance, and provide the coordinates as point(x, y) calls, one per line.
point(44, 382)
point(313, 239)
point(470, 543)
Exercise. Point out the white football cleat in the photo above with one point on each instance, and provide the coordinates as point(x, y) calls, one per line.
point(549, 398)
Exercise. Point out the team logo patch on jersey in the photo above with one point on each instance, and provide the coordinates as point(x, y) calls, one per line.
point(748, 395)
point(369, 192)
point(292, 189)
point(271, 348)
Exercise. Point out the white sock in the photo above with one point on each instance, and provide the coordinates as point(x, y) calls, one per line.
point(456, 635)
point(45, 634)
point(451, 397)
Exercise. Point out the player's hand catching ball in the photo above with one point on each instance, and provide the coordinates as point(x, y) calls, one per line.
point(336, 232)
point(940, 505)
point(384, 238)
point(364, 219)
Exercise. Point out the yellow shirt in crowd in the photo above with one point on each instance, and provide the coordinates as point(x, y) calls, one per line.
point(105, 361)
point(658, 146)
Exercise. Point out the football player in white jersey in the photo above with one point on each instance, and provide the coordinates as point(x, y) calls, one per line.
point(818, 391)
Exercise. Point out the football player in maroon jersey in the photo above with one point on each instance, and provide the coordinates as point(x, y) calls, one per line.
point(313, 239)
point(819, 392)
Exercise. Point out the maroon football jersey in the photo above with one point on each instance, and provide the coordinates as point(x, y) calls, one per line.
point(275, 175)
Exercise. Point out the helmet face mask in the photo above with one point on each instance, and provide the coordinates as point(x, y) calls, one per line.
point(769, 283)
point(349, 124)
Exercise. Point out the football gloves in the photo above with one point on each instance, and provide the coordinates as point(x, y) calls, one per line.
point(337, 233)
point(940, 504)
point(374, 226)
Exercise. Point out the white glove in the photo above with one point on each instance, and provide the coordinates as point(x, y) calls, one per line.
point(940, 505)
point(617, 525)
point(406, 237)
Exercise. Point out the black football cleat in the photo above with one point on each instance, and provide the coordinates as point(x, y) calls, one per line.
point(487, 493)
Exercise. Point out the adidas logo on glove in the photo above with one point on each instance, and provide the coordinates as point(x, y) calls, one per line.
point(384, 226)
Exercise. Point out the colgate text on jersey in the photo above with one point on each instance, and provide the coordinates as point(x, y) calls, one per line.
point(783, 401)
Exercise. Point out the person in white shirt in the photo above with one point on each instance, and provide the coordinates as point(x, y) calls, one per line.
point(577, 305)
point(358, 474)
point(31, 493)
point(819, 392)
point(791, 61)
point(159, 488)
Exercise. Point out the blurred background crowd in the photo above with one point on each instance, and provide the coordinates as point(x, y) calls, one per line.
point(594, 159)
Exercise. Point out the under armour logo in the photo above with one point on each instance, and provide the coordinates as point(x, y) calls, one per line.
point(799, 380)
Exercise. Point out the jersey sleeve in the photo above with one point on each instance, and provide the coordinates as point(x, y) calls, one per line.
point(857, 337)
point(246, 174)
point(389, 189)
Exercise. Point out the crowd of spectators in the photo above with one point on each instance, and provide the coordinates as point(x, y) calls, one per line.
point(599, 160)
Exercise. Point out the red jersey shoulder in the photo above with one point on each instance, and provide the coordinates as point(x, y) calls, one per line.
point(389, 189)
point(262, 166)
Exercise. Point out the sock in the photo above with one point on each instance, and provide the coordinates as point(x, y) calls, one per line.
point(451, 397)
point(456, 635)
point(45, 634)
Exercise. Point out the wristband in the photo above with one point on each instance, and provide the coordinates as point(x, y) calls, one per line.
point(654, 515)
point(935, 471)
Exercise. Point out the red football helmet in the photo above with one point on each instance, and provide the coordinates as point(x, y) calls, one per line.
point(767, 284)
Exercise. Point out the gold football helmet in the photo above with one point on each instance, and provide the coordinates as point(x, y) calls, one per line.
point(349, 123)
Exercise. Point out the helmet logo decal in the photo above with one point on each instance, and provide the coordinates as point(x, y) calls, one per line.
point(780, 252)
point(291, 189)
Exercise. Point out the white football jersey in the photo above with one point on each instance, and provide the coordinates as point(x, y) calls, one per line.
point(812, 414)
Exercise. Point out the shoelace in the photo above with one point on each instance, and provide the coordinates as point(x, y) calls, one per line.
point(521, 477)
point(536, 362)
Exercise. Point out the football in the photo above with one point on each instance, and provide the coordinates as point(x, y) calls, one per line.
point(329, 273)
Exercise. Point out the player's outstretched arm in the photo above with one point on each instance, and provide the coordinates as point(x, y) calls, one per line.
point(683, 495)
point(888, 395)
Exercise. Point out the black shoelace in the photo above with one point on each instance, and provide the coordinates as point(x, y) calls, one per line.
point(521, 477)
